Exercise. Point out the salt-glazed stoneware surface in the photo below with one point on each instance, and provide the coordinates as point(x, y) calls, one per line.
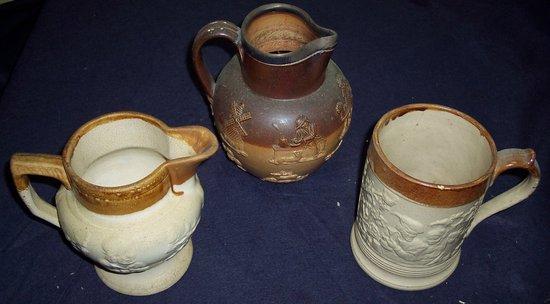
point(426, 173)
point(281, 106)
point(130, 198)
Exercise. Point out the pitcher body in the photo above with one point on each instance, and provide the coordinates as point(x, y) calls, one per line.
point(130, 198)
point(281, 106)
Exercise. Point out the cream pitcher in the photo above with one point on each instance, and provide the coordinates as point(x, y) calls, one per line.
point(130, 197)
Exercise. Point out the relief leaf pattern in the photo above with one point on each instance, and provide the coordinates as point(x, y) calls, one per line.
point(387, 230)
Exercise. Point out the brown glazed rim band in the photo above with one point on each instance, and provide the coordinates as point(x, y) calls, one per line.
point(325, 42)
point(431, 194)
point(147, 191)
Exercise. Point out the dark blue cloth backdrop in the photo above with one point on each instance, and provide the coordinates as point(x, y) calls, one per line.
point(266, 243)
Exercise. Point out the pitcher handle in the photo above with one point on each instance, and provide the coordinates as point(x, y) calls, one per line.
point(213, 30)
point(22, 165)
point(510, 159)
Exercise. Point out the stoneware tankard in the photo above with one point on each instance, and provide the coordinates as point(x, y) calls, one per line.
point(427, 170)
point(281, 106)
point(130, 197)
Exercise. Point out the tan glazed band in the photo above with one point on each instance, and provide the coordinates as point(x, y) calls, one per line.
point(431, 194)
point(145, 192)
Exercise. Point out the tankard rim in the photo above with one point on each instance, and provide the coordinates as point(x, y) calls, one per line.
point(433, 194)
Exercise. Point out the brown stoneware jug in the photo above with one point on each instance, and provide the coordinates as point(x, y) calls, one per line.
point(281, 105)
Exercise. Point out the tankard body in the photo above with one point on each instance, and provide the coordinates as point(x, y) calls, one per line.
point(427, 170)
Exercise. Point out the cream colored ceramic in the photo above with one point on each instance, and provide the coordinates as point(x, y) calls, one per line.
point(426, 173)
point(130, 199)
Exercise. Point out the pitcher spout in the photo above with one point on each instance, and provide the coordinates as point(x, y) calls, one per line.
point(281, 43)
point(280, 33)
point(204, 144)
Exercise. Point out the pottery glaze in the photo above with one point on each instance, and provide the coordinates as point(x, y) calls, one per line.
point(130, 199)
point(426, 174)
point(281, 105)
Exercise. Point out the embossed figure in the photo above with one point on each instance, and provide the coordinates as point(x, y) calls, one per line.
point(284, 176)
point(121, 263)
point(304, 146)
point(305, 132)
point(114, 260)
point(233, 130)
point(232, 157)
point(344, 108)
point(181, 238)
point(409, 239)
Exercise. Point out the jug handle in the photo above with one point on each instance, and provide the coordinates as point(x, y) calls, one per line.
point(22, 165)
point(510, 159)
point(213, 30)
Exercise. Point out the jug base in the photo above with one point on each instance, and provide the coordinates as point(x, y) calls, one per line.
point(397, 281)
point(151, 281)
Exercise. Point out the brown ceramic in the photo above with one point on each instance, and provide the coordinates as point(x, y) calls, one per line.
point(282, 107)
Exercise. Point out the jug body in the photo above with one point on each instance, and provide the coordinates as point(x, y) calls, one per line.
point(281, 140)
point(281, 105)
point(130, 247)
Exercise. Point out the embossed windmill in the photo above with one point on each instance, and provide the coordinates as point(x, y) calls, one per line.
point(233, 127)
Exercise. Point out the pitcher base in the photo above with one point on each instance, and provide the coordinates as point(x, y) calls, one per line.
point(151, 281)
point(396, 281)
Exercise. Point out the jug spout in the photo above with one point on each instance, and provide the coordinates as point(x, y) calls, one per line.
point(203, 142)
point(284, 52)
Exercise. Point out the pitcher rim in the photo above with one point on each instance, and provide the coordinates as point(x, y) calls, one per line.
point(325, 43)
point(112, 200)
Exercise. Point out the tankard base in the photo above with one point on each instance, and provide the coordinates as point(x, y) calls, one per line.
point(153, 280)
point(397, 281)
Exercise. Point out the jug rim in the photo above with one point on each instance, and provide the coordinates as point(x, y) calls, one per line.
point(145, 192)
point(324, 43)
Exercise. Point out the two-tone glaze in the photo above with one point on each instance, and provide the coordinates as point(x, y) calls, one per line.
point(130, 198)
point(281, 106)
point(427, 171)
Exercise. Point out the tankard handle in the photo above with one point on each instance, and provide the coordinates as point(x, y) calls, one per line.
point(510, 159)
point(213, 30)
point(22, 165)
